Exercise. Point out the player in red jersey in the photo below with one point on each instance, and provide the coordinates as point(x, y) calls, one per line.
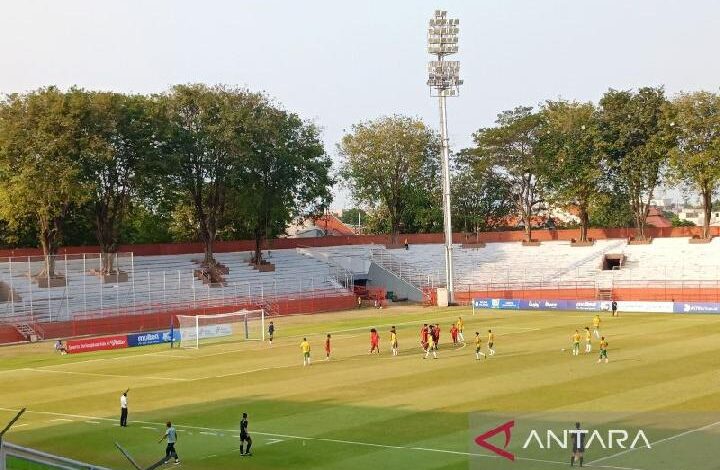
point(374, 341)
point(454, 333)
point(436, 334)
point(327, 347)
point(424, 332)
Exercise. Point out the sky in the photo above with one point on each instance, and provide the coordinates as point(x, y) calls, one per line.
point(341, 62)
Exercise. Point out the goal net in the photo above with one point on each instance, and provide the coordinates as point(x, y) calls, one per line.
point(236, 326)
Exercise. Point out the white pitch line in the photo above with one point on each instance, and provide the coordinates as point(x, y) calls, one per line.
point(148, 428)
point(92, 422)
point(208, 433)
point(61, 419)
point(270, 442)
point(659, 441)
point(94, 374)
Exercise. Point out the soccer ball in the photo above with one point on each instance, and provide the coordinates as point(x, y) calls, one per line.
point(562, 350)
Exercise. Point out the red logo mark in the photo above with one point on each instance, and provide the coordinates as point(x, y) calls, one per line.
point(482, 440)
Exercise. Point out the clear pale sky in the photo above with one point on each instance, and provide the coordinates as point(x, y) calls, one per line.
point(339, 62)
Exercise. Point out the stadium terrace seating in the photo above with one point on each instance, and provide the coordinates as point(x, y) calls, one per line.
point(159, 282)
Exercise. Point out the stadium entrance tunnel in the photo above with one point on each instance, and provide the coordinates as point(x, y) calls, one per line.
point(613, 261)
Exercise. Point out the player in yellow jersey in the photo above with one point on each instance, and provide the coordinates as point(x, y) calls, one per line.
point(432, 347)
point(596, 326)
point(393, 341)
point(460, 325)
point(603, 350)
point(478, 346)
point(588, 340)
point(305, 348)
point(576, 343)
point(491, 343)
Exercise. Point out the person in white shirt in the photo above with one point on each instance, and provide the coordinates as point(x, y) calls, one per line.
point(124, 409)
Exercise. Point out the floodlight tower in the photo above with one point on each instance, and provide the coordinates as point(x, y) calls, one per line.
point(444, 80)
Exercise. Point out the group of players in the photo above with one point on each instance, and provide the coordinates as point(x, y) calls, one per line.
point(429, 341)
point(576, 337)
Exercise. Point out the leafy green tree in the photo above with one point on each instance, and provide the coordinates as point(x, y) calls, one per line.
point(636, 142)
point(393, 163)
point(512, 148)
point(123, 142)
point(481, 197)
point(41, 141)
point(611, 208)
point(695, 159)
point(285, 176)
point(207, 147)
point(353, 215)
point(570, 140)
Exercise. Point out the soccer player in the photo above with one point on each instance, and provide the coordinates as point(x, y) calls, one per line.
point(436, 336)
point(271, 332)
point(374, 341)
point(596, 326)
point(578, 446)
point(478, 346)
point(603, 350)
point(424, 333)
point(432, 347)
point(614, 308)
point(491, 342)
point(171, 436)
point(588, 340)
point(460, 327)
point(244, 436)
point(576, 343)
point(59, 347)
point(124, 409)
point(305, 348)
point(327, 347)
point(454, 333)
point(393, 341)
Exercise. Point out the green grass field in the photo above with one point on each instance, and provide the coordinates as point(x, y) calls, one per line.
point(356, 411)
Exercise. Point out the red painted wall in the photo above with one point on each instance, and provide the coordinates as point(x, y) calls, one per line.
point(283, 243)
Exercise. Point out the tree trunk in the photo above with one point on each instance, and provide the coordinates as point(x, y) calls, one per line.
point(107, 261)
point(257, 257)
point(394, 231)
point(527, 219)
point(48, 243)
point(707, 209)
point(584, 222)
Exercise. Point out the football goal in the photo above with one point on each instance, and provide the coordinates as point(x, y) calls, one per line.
point(241, 325)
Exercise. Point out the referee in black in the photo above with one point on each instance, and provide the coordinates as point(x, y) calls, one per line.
point(244, 436)
point(578, 447)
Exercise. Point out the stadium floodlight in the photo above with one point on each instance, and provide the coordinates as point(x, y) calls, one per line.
point(444, 80)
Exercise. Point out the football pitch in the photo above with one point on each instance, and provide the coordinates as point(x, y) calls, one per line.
point(356, 411)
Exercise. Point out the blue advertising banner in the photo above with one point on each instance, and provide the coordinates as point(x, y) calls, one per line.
point(544, 304)
point(152, 337)
point(587, 305)
point(499, 304)
point(696, 307)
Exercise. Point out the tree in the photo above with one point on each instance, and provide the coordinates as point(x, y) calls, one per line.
point(481, 197)
point(123, 141)
point(695, 159)
point(392, 163)
point(41, 141)
point(570, 140)
point(286, 174)
point(353, 216)
point(636, 142)
point(512, 149)
point(206, 145)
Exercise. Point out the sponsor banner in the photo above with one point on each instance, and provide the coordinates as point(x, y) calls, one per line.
point(650, 307)
point(499, 304)
point(153, 337)
point(544, 304)
point(696, 307)
point(206, 331)
point(547, 441)
point(589, 305)
point(96, 344)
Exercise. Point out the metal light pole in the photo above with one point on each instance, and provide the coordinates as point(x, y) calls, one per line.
point(444, 80)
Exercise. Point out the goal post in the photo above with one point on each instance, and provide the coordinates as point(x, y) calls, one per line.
point(243, 325)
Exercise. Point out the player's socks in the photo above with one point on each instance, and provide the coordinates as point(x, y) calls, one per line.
point(581, 461)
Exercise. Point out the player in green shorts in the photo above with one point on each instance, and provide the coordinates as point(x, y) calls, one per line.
point(603, 350)
point(576, 343)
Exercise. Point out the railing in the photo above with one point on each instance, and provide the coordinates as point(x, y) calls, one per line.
point(404, 270)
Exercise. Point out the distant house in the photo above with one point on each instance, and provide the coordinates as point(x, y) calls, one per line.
point(697, 216)
point(325, 225)
point(657, 219)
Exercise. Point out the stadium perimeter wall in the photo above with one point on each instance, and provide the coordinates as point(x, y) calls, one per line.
point(289, 243)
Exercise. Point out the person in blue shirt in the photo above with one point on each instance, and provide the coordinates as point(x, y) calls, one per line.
point(171, 436)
